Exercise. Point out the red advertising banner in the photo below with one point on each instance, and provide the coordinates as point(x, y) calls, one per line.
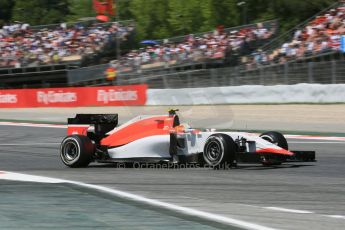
point(74, 97)
point(12, 98)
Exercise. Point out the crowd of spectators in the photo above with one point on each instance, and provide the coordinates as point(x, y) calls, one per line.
point(321, 35)
point(22, 45)
point(216, 45)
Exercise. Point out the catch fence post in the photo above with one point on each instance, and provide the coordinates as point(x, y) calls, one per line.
point(234, 78)
point(261, 76)
point(165, 83)
point(286, 73)
point(334, 72)
point(214, 78)
point(311, 72)
point(189, 80)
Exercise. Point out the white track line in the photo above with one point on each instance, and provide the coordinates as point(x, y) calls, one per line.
point(33, 125)
point(321, 138)
point(317, 142)
point(30, 144)
point(28, 178)
point(129, 196)
point(289, 210)
point(336, 216)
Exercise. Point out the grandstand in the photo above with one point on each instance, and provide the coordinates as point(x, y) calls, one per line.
point(316, 38)
point(22, 45)
point(219, 48)
point(219, 45)
point(30, 52)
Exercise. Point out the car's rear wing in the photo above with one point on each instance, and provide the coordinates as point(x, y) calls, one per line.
point(94, 119)
point(102, 123)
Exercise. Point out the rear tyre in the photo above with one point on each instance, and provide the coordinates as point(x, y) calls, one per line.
point(219, 151)
point(76, 151)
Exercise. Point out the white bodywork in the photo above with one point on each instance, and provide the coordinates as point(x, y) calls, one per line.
point(194, 142)
point(148, 147)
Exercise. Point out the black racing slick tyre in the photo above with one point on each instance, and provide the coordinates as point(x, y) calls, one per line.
point(76, 151)
point(219, 151)
point(275, 138)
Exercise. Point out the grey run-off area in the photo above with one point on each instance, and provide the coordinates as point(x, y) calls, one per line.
point(59, 206)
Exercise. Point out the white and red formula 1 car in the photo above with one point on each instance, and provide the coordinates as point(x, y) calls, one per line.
point(159, 139)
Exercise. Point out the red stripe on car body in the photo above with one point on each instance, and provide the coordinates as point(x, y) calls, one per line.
point(153, 126)
point(275, 151)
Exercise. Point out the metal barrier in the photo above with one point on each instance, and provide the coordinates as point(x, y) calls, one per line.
point(33, 69)
point(97, 72)
point(86, 74)
point(331, 72)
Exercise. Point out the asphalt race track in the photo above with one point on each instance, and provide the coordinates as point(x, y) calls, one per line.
point(292, 196)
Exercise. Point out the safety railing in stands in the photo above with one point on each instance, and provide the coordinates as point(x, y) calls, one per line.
point(327, 72)
point(33, 69)
point(84, 22)
point(266, 24)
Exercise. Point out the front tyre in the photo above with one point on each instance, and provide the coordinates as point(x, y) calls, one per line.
point(279, 140)
point(76, 151)
point(275, 138)
point(219, 151)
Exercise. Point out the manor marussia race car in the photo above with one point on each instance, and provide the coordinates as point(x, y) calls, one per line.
point(159, 139)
